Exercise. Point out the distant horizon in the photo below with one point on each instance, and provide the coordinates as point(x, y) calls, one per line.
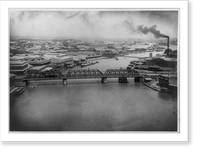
point(132, 39)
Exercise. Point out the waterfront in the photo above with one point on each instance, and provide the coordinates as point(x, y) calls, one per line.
point(84, 105)
point(110, 63)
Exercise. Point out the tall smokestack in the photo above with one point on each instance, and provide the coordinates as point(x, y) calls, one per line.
point(168, 43)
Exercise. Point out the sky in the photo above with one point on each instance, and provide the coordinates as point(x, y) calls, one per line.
point(93, 24)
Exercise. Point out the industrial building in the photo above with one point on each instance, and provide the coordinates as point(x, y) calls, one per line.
point(12, 82)
point(168, 83)
point(19, 67)
point(38, 61)
point(162, 62)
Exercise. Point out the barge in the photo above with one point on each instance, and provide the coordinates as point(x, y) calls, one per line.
point(19, 90)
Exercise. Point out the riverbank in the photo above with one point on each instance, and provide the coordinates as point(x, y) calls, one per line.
point(152, 84)
point(144, 55)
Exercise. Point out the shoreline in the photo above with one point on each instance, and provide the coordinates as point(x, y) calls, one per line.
point(150, 86)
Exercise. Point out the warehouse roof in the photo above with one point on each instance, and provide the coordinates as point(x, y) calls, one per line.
point(38, 67)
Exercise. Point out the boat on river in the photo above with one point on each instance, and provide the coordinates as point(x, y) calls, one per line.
point(88, 63)
point(19, 90)
point(85, 64)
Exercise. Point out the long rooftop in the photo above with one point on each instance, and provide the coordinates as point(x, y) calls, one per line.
point(19, 62)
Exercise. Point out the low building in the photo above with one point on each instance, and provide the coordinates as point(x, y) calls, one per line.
point(72, 49)
point(19, 67)
point(50, 55)
point(169, 82)
point(17, 58)
point(140, 50)
point(24, 56)
point(62, 60)
point(38, 61)
point(170, 53)
point(173, 79)
point(163, 81)
point(47, 69)
point(37, 69)
point(172, 89)
point(109, 53)
point(92, 49)
point(93, 56)
point(144, 67)
point(12, 81)
point(162, 62)
point(136, 50)
point(82, 49)
point(154, 68)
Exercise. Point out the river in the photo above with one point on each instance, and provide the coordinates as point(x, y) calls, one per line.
point(89, 105)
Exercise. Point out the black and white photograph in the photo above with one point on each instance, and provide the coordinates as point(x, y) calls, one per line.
point(97, 72)
point(94, 70)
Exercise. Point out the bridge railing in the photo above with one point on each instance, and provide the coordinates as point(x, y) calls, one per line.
point(90, 73)
point(43, 76)
point(119, 73)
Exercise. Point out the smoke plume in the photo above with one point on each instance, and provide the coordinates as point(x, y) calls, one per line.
point(132, 28)
point(152, 29)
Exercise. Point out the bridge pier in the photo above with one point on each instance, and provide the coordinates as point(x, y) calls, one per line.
point(122, 80)
point(138, 79)
point(26, 82)
point(103, 80)
point(64, 82)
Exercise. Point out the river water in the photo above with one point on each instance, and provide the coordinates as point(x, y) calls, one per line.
point(88, 105)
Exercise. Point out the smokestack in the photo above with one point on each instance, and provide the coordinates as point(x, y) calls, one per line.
point(168, 43)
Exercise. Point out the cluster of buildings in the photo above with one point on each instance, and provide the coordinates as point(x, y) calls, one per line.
point(168, 83)
point(40, 47)
point(26, 54)
point(20, 63)
point(157, 64)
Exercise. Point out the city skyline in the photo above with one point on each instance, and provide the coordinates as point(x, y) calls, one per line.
point(97, 25)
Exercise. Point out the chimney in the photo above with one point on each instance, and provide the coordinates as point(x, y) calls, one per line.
point(167, 46)
point(168, 43)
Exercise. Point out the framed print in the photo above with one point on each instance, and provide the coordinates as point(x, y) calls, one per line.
point(94, 71)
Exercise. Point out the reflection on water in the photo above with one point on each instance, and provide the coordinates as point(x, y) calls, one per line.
point(110, 63)
point(92, 106)
point(166, 97)
point(88, 105)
